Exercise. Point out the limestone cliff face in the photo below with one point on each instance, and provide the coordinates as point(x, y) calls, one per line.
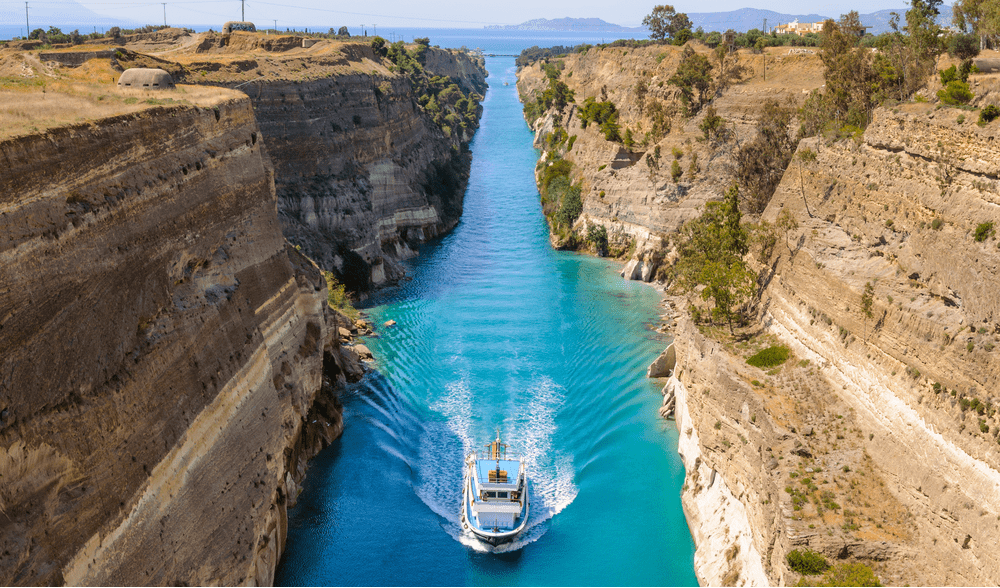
point(878, 440)
point(161, 350)
point(363, 174)
point(631, 191)
point(900, 210)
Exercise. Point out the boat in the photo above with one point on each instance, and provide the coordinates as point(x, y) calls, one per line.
point(494, 494)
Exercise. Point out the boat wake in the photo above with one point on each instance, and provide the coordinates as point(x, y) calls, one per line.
point(529, 424)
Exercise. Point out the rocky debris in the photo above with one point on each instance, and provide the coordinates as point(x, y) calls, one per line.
point(363, 352)
point(663, 365)
point(390, 323)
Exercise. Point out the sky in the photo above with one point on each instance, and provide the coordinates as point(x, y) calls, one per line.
point(321, 14)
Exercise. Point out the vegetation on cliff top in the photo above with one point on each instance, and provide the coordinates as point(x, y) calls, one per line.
point(454, 111)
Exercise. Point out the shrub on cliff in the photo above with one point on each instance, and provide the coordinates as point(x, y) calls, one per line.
point(848, 574)
point(955, 93)
point(761, 163)
point(806, 562)
point(711, 254)
point(768, 358)
point(604, 114)
point(988, 114)
point(337, 298)
point(379, 46)
point(983, 231)
point(694, 79)
point(597, 236)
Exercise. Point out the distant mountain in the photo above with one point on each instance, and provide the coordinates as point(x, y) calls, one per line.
point(590, 25)
point(66, 15)
point(740, 21)
point(745, 19)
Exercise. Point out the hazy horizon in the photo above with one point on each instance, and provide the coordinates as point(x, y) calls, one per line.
point(392, 13)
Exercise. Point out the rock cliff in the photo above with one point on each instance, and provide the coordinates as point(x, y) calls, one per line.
point(167, 359)
point(363, 172)
point(877, 441)
point(630, 190)
point(909, 209)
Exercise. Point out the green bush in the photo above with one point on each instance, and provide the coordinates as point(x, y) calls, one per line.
point(604, 114)
point(988, 113)
point(770, 357)
point(955, 92)
point(983, 232)
point(597, 236)
point(675, 171)
point(336, 296)
point(806, 562)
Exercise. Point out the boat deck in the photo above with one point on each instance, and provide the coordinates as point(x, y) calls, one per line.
point(485, 466)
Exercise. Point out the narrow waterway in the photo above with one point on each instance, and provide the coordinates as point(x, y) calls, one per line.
point(496, 329)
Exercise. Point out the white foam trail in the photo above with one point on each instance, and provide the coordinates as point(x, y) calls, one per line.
point(530, 427)
point(439, 475)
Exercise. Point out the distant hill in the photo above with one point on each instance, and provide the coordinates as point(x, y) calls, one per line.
point(745, 19)
point(740, 21)
point(65, 14)
point(590, 25)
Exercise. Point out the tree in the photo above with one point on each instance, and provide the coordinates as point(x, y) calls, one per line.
point(379, 46)
point(921, 24)
point(761, 162)
point(867, 301)
point(963, 46)
point(981, 17)
point(850, 24)
point(343, 32)
point(664, 22)
point(711, 255)
point(786, 224)
point(693, 77)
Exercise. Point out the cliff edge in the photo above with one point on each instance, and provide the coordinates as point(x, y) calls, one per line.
point(167, 358)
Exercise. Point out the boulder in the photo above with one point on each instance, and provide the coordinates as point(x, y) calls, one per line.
point(632, 270)
point(363, 352)
point(390, 323)
point(663, 365)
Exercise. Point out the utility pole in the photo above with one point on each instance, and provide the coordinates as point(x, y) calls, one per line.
point(243, 10)
point(375, 26)
point(763, 51)
point(164, 13)
point(26, 23)
point(363, 32)
point(275, 26)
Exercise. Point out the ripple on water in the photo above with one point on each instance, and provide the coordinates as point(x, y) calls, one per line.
point(496, 329)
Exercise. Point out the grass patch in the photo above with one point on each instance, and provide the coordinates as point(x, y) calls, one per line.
point(337, 298)
point(769, 357)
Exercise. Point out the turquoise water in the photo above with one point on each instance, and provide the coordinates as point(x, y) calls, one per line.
point(496, 329)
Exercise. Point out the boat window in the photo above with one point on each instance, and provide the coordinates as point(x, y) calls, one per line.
point(501, 495)
point(491, 495)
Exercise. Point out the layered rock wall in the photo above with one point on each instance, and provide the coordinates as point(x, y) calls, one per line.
point(899, 210)
point(363, 174)
point(161, 348)
point(631, 190)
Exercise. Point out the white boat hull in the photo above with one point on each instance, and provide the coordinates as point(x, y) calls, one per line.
point(493, 536)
